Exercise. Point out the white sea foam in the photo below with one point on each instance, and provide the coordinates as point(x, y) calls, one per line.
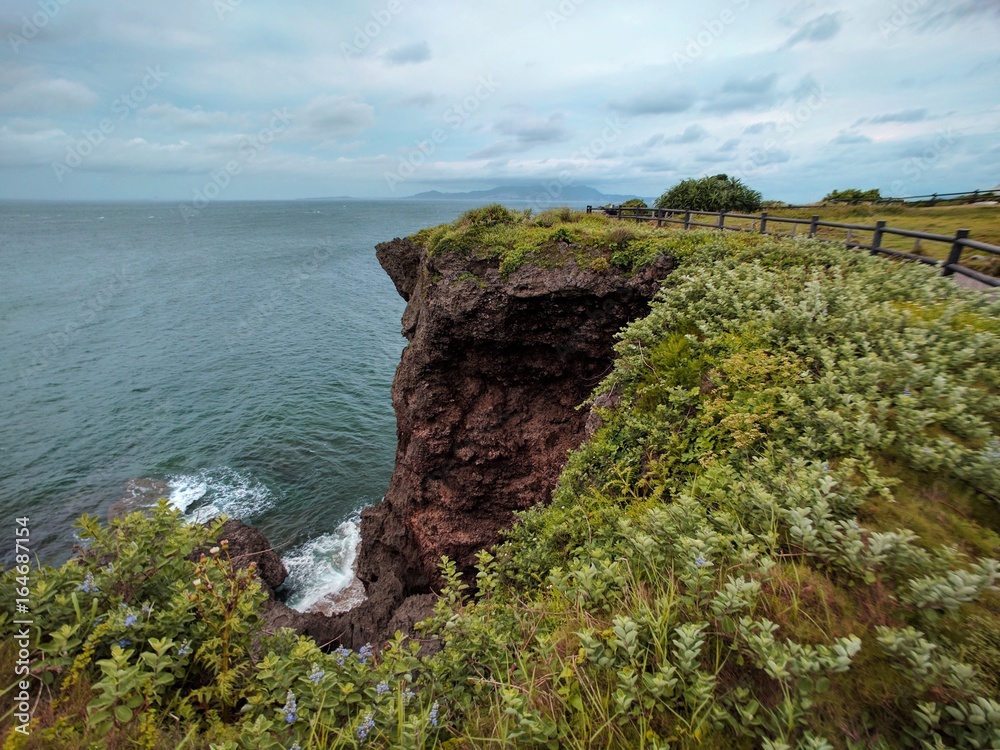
point(212, 492)
point(321, 571)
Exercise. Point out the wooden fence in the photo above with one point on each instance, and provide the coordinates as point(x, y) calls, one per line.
point(761, 223)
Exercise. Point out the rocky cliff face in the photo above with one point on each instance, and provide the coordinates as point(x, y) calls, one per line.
point(486, 398)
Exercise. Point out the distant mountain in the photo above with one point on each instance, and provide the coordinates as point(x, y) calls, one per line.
point(537, 193)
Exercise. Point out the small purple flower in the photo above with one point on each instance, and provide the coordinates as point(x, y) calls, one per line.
point(316, 675)
point(382, 688)
point(366, 726)
point(124, 642)
point(700, 561)
point(131, 620)
point(409, 695)
point(365, 653)
point(290, 709)
point(185, 649)
point(88, 586)
point(342, 653)
point(432, 717)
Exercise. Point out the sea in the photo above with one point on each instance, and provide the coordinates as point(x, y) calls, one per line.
point(236, 360)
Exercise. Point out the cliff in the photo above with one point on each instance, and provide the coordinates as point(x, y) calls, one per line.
point(486, 398)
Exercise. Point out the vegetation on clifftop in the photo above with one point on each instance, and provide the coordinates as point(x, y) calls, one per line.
point(547, 240)
point(783, 535)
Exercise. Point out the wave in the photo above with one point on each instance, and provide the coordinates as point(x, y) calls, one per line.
point(321, 571)
point(214, 492)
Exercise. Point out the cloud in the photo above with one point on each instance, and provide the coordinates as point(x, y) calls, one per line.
point(656, 102)
point(654, 165)
point(757, 128)
point(523, 133)
point(906, 115)
point(180, 118)
point(942, 14)
point(408, 54)
point(729, 146)
point(47, 96)
point(765, 157)
point(328, 117)
point(691, 134)
point(421, 101)
point(806, 87)
point(847, 139)
point(741, 92)
point(820, 29)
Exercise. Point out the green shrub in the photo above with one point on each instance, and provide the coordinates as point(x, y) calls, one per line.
point(717, 193)
point(853, 195)
point(490, 215)
point(634, 203)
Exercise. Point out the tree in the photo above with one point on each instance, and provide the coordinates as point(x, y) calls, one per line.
point(635, 203)
point(718, 193)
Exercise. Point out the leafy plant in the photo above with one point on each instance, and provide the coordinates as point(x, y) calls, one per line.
point(853, 195)
point(717, 193)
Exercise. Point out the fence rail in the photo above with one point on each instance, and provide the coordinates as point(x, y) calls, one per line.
point(953, 265)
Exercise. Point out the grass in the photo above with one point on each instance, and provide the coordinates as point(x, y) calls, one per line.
point(546, 240)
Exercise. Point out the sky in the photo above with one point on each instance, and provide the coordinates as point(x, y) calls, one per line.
point(246, 99)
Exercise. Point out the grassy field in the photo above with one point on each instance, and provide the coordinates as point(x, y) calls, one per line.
point(983, 222)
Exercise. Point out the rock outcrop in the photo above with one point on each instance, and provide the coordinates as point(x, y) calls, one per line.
point(486, 398)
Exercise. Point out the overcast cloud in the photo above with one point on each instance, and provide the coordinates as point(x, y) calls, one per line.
point(134, 100)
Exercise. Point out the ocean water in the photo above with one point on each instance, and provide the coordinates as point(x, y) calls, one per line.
point(242, 357)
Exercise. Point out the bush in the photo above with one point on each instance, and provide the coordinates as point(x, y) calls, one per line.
point(635, 203)
point(491, 215)
point(718, 193)
point(853, 195)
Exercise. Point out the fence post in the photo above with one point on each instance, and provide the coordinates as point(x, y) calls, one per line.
point(956, 252)
point(590, 209)
point(722, 219)
point(763, 222)
point(812, 226)
point(687, 219)
point(877, 237)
